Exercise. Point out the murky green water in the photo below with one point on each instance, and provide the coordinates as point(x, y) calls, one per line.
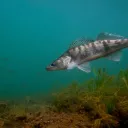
point(35, 32)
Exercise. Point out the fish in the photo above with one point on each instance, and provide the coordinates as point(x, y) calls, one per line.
point(83, 50)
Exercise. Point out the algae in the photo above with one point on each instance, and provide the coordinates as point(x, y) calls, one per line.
point(101, 102)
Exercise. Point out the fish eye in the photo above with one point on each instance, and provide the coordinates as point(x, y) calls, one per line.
point(52, 64)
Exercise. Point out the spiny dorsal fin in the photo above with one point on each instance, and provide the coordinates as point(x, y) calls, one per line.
point(80, 41)
point(108, 36)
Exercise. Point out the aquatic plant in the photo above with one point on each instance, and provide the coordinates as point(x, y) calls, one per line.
point(17, 111)
point(101, 102)
point(100, 82)
point(68, 99)
point(123, 78)
point(3, 106)
point(107, 121)
point(99, 99)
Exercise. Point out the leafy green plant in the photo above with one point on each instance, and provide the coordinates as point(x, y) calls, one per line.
point(99, 98)
point(122, 78)
point(99, 83)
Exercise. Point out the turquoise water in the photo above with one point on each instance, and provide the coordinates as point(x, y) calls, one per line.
point(35, 32)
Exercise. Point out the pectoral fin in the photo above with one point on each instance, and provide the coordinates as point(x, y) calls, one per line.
point(115, 56)
point(85, 67)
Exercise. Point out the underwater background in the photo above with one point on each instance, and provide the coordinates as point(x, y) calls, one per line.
point(33, 33)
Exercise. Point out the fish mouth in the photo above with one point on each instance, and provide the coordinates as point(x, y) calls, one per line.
point(50, 68)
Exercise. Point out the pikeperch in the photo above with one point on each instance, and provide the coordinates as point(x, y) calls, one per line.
point(82, 51)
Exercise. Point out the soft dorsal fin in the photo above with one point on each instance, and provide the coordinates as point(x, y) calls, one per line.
point(80, 41)
point(108, 36)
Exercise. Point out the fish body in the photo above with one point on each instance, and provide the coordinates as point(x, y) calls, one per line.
point(98, 49)
point(83, 51)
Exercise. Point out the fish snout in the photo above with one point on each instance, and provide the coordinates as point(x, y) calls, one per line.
point(51, 68)
point(48, 68)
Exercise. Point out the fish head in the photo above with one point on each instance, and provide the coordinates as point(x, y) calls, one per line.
point(62, 63)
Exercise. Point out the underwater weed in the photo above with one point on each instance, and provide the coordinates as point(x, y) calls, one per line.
point(98, 103)
point(76, 98)
point(122, 109)
point(3, 107)
point(125, 81)
point(98, 84)
point(69, 99)
point(17, 111)
point(121, 83)
point(98, 100)
point(107, 121)
point(123, 78)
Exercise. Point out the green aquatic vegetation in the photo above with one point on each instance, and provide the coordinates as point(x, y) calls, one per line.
point(121, 83)
point(100, 82)
point(107, 121)
point(3, 107)
point(102, 100)
point(4, 110)
point(121, 111)
point(122, 79)
point(76, 97)
point(122, 108)
point(109, 87)
point(17, 111)
point(99, 99)
point(110, 103)
point(68, 99)
point(123, 73)
point(88, 104)
point(125, 81)
point(104, 119)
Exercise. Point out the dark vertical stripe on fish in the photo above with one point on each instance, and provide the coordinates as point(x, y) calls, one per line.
point(106, 47)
